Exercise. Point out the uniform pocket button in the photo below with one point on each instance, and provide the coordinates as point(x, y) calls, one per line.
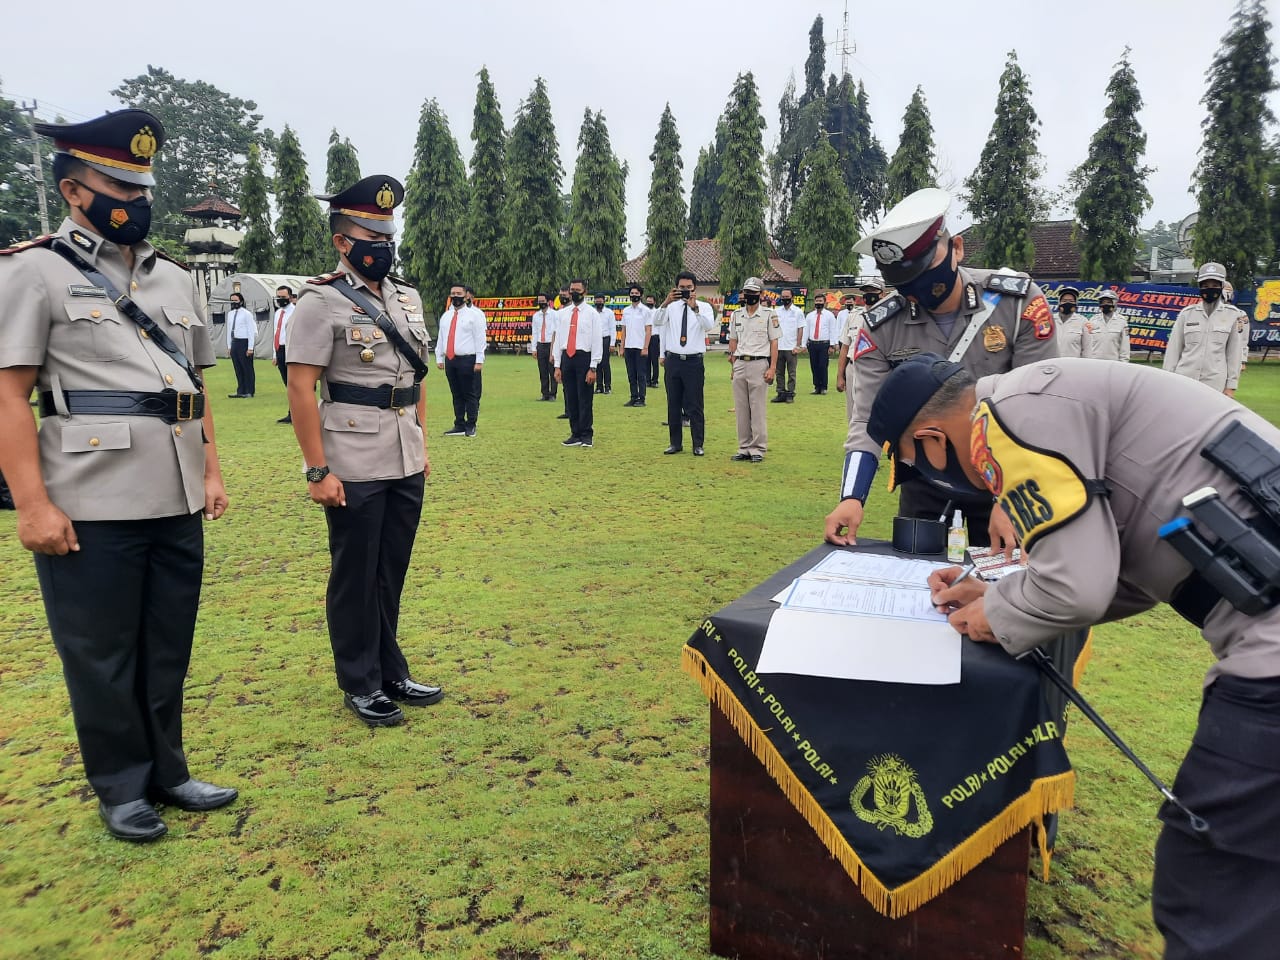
point(177, 431)
point(351, 423)
point(400, 412)
point(168, 379)
point(94, 441)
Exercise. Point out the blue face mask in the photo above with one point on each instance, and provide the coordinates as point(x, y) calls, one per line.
point(933, 286)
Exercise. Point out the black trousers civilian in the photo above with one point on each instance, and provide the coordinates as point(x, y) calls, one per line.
point(242, 363)
point(655, 356)
point(924, 501)
point(546, 371)
point(786, 380)
point(370, 541)
point(604, 375)
point(637, 372)
point(122, 612)
point(578, 398)
point(464, 385)
point(819, 360)
point(282, 364)
point(686, 378)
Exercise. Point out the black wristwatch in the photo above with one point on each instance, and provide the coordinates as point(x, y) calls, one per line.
point(316, 474)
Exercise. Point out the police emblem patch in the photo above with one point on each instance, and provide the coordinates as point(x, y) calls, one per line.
point(886, 251)
point(863, 345)
point(893, 787)
point(993, 339)
point(1040, 317)
point(385, 198)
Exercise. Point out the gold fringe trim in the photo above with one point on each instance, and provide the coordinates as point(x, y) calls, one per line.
point(1082, 661)
point(1044, 796)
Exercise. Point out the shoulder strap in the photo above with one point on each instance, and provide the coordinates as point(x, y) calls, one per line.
point(369, 308)
point(129, 309)
point(989, 302)
point(43, 241)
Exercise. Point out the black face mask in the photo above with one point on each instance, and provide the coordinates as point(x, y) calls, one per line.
point(635, 299)
point(457, 301)
point(1108, 309)
point(1066, 309)
point(871, 299)
point(933, 286)
point(371, 258)
point(1210, 294)
point(122, 222)
point(542, 306)
point(236, 304)
point(751, 298)
point(952, 477)
point(576, 296)
point(785, 303)
point(282, 301)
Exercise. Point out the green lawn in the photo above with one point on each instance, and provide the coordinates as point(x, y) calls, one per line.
point(554, 805)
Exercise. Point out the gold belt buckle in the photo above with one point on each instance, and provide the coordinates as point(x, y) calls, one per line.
point(394, 405)
point(186, 406)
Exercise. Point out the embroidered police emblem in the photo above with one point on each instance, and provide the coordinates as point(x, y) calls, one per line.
point(385, 198)
point(886, 251)
point(143, 145)
point(893, 786)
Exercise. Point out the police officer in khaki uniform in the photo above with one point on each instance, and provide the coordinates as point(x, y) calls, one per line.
point(111, 489)
point(1106, 334)
point(1242, 323)
point(1070, 323)
point(1099, 500)
point(753, 351)
point(1204, 343)
point(990, 321)
point(361, 334)
point(872, 290)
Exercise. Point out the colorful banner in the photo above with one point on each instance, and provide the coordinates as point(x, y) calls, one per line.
point(1150, 308)
point(1264, 319)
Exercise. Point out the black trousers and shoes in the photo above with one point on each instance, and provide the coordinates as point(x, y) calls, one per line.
point(464, 386)
point(242, 363)
point(604, 373)
point(283, 367)
point(578, 395)
point(546, 372)
point(655, 356)
point(686, 379)
point(819, 364)
point(637, 374)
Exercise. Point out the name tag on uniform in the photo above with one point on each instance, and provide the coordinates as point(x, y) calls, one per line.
point(361, 318)
point(85, 290)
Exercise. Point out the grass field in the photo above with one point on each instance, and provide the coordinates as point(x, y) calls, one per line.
point(554, 805)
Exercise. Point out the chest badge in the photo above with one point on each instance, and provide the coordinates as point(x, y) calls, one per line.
point(366, 355)
point(993, 339)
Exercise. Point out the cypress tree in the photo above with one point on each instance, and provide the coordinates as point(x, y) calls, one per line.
point(666, 224)
point(597, 218)
point(342, 165)
point(861, 158)
point(1114, 183)
point(743, 242)
point(536, 210)
point(705, 193)
point(435, 203)
point(1002, 193)
point(913, 166)
point(257, 251)
point(784, 173)
point(305, 246)
point(815, 65)
point(483, 245)
point(1273, 189)
point(1230, 180)
point(826, 223)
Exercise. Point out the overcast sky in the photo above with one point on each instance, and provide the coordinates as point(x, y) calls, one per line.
point(316, 66)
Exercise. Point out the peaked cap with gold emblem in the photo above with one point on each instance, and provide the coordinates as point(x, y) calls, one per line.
point(120, 144)
point(369, 203)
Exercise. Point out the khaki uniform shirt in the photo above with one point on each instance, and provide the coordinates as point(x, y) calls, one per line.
point(1019, 331)
point(853, 323)
point(1104, 338)
point(1205, 345)
point(754, 332)
point(99, 467)
point(360, 442)
point(1070, 335)
point(1141, 432)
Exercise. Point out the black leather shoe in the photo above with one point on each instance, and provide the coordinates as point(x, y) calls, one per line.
point(285, 419)
point(778, 400)
point(757, 458)
point(671, 450)
point(193, 795)
point(697, 451)
point(741, 456)
point(411, 693)
point(375, 709)
point(136, 821)
point(563, 416)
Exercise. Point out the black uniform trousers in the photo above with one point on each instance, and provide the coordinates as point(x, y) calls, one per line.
point(242, 363)
point(786, 372)
point(819, 360)
point(924, 501)
point(686, 377)
point(464, 385)
point(370, 542)
point(637, 372)
point(578, 399)
point(1217, 900)
point(282, 364)
point(122, 612)
point(546, 371)
point(604, 375)
point(655, 356)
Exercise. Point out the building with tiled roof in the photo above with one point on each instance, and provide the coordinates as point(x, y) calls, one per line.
point(702, 259)
point(213, 208)
point(1057, 251)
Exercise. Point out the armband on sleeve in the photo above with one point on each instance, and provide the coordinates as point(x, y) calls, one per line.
point(859, 470)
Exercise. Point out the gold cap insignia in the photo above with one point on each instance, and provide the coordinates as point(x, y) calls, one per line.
point(385, 198)
point(143, 144)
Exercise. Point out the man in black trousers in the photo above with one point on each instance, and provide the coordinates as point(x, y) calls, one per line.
point(284, 310)
point(683, 323)
point(576, 352)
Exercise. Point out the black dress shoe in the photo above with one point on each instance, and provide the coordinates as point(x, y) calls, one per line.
point(741, 456)
point(236, 396)
point(193, 795)
point(629, 403)
point(136, 821)
point(375, 709)
point(563, 416)
point(778, 400)
point(757, 458)
point(671, 450)
point(285, 419)
point(697, 451)
point(411, 693)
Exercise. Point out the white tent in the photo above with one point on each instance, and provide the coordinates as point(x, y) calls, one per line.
point(259, 291)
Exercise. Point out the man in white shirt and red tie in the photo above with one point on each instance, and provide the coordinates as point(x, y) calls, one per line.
point(284, 309)
point(542, 325)
point(460, 354)
point(575, 350)
point(820, 327)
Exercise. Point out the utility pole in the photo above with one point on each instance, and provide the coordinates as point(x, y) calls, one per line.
point(37, 171)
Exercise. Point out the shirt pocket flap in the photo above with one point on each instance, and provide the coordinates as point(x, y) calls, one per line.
point(95, 311)
point(351, 418)
point(185, 318)
point(90, 437)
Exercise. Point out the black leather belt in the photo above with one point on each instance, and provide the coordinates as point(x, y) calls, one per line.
point(743, 356)
point(169, 405)
point(683, 356)
point(386, 396)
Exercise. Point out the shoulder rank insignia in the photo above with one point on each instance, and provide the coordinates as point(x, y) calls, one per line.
point(325, 278)
point(44, 241)
point(400, 281)
point(174, 260)
point(883, 310)
point(1016, 284)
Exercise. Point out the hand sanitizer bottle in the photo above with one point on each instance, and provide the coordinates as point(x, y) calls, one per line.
point(957, 539)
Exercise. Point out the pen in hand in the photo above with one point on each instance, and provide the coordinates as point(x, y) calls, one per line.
point(966, 572)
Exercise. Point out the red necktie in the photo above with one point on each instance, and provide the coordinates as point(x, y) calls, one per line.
point(543, 338)
point(572, 346)
point(817, 320)
point(453, 334)
point(275, 341)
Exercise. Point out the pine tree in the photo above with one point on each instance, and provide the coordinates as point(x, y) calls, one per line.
point(597, 218)
point(826, 222)
point(257, 251)
point(862, 159)
point(535, 210)
point(1001, 193)
point(913, 166)
point(705, 193)
point(1273, 190)
point(784, 173)
point(1230, 178)
point(815, 65)
point(484, 232)
point(666, 223)
point(1114, 193)
point(305, 246)
point(743, 242)
point(342, 165)
point(435, 203)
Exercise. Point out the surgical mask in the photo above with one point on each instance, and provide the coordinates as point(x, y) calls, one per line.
point(952, 477)
point(1066, 309)
point(933, 286)
point(576, 296)
point(1210, 294)
point(122, 222)
point(282, 301)
point(751, 298)
point(457, 301)
point(871, 299)
point(371, 258)
point(635, 299)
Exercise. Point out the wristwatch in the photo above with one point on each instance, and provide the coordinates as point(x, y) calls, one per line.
point(316, 474)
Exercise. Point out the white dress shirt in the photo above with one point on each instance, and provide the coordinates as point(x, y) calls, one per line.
point(790, 327)
point(702, 320)
point(635, 319)
point(589, 339)
point(542, 320)
point(470, 337)
point(281, 321)
point(825, 325)
point(241, 326)
point(608, 326)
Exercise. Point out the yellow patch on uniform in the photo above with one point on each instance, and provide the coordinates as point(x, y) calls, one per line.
point(993, 339)
point(1039, 489)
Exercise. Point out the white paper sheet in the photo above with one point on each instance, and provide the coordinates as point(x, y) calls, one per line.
point(854, 597)
point(877, 568)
